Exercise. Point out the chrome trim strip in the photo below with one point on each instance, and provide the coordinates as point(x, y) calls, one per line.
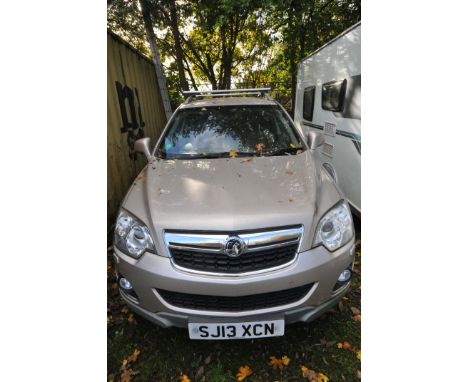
point(214, 243)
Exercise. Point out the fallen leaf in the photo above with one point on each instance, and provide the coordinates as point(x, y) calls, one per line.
point(184, 378)
point(358, 355)
point(322, 378)
point(126, 375)
point(131, 319)
point(244, 372)
point(134, 356)
point(340, 306)
point(357, 317)
point(233, 154)
point(124, 309)
point(346, 345)
point(114, 286)
point(111, 377)
point(289, 173)
point(285, 360)
point(355, 310)
point(276, 363)
point(259, 146)
point(246, 160)
point(313, 376)
point(292, 145)
point(207, 360)
point(339, 345)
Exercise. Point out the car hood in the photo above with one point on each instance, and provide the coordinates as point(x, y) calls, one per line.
point(226, 194)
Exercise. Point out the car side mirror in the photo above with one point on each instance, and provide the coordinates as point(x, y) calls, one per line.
point(143, 146)
point(315, 140)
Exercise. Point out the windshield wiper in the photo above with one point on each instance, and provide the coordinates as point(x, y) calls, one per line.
point(285, 150)
point(223, 154)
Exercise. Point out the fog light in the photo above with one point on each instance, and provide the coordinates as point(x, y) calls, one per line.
point(344, 276)
point(125, 284)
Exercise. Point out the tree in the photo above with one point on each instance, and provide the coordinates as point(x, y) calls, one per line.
point(246, 42)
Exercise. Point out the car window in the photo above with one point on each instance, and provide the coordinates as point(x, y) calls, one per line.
point(251, 130)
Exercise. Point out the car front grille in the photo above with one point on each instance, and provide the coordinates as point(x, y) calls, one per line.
point(206, 253)
point(249, 262)
point(234, 304)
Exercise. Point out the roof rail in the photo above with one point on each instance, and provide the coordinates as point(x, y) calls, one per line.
point(225, 93)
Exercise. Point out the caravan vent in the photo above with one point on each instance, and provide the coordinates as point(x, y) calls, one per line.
point(327, 149)
point(329, 129)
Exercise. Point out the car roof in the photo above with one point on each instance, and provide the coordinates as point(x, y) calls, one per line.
point(228, 101)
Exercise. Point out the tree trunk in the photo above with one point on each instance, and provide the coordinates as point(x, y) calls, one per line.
point(178, 46)
point(292, 51)
point(187, 67)
point(157, 61)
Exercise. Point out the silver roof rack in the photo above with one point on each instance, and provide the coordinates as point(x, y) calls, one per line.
point(259, 92)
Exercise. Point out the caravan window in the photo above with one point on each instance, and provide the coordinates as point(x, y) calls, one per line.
point(333, 94)
point(308, 103)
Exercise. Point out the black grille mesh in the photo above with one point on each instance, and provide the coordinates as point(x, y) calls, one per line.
point(235, 304)
point(247, 262)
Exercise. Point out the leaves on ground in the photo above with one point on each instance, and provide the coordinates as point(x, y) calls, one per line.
point(184, 378)
point(313, 376)
point(279, 363)
point(246, 160)
point(131, 319)
point(126, 375)
point(289, 172)
point(134, 356)
point(244, 372)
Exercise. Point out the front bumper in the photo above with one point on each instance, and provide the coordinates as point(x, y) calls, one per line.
point(152, 272)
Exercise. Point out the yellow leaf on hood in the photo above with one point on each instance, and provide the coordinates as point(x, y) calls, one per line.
point(244, 372)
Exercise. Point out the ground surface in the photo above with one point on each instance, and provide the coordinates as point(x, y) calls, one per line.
point(141, 351)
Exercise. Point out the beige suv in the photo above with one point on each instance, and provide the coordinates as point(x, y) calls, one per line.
point(234, 228)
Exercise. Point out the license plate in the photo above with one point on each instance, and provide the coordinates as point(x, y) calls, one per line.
point(236, 330)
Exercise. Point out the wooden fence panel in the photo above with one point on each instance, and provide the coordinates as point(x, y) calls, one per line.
point(134, 110)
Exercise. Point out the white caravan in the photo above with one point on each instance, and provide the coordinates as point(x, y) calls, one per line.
point(328, 99)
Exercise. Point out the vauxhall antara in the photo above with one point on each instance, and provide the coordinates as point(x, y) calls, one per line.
point(235, 227)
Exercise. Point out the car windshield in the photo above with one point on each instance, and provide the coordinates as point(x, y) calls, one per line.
point(222, 131)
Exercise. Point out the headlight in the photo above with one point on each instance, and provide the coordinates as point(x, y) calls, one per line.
point(335, 228)
point(131, 236)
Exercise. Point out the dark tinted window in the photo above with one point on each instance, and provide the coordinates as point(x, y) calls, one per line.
point(198, 132)
point(308, 103)
point(333, 94)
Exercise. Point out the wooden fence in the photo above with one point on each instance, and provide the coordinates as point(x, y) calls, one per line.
point(134, 110)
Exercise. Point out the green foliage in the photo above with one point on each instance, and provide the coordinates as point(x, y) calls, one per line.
point(241, 43)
